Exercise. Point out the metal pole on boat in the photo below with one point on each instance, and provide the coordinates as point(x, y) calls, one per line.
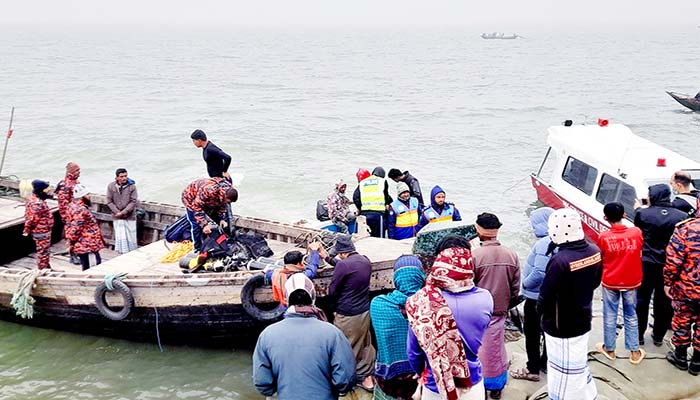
point(544, 161)
point(7, 139)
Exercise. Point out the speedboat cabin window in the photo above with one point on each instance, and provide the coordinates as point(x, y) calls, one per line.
point(612, 189)
point(580, 175)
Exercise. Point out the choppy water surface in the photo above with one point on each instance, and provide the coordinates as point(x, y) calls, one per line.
point(298, 109)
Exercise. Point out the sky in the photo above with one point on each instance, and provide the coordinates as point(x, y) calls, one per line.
point(481, 13)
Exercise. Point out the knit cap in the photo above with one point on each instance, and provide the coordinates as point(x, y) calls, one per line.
point(565, 226)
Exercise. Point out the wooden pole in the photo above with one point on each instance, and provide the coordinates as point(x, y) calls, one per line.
point(7, 139)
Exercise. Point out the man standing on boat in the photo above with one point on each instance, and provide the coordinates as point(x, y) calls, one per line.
point(686, 197)
point(403, 214)
point(83, 232)
point(349, 294)
point(439, 210)
point(657, 223)
point(121, 200)
point(217, 160)
point(372, 200)
point(682, 285)
point(496, 269)
point(38, 222)
point(565, 302)
point(64, 196)
point(206, 201)
point(303, 356)
point(413, 185)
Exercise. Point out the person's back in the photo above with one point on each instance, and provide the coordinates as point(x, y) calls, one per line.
point(497, 270)
point(350, 287)
point(657, 223)
point(300, 351)
point(621, 249)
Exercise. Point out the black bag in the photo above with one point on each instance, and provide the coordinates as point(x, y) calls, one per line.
point(215, 245)
point(255, 243)
point(178, 231)
point(322, 211)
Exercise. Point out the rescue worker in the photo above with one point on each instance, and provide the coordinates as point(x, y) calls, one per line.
point(64, 196)
point(217, 160)
point(38, 221)
point(206, 201)
point(83, 232)
point(374, 200)
point(293, 263)
point(404, 213)
point(439, 210)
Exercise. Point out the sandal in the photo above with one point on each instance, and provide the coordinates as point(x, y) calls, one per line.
point(601, 349)
point(524, 373)
point(641, 357)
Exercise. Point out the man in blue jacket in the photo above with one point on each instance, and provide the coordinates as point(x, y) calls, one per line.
point(404, 214)
point(302, 356)
point(532, 277)
point(439, 209)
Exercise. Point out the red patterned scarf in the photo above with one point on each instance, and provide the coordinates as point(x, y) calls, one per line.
point(434, 325)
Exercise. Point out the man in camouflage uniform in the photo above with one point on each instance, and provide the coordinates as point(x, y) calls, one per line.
point(38, 221)
point(682, 285)
point(83, 232)
point(207, 200)
point(64, 196)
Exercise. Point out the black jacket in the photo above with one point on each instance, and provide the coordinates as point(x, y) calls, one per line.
point(217, 161)
point(349, 288)
point(566, 295)
point(413, 187)
point(686, 202)
point(657, 223)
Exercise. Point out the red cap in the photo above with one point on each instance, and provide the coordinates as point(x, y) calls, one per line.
point(362, 174)
point(602, 122)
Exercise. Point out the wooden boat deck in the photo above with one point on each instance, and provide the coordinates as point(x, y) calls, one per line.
point(12, 212)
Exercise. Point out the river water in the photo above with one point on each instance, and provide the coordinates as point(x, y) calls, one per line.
point(299, 108)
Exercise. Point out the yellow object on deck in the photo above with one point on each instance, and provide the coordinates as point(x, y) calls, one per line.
point(25, 188)
point(178, 252)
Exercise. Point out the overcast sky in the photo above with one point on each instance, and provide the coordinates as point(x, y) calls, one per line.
point(480, 13)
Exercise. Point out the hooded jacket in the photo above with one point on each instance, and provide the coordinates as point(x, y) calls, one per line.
point(657, 223)
point(414, 187)
point(566, 294)
point(536, 264)
point(430, 212)
point(357, 196)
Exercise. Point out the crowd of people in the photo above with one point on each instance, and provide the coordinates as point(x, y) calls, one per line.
point(440, 334)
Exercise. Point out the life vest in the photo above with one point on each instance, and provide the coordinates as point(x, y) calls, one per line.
point(279, 278)
point(406, 216)
point(372, 194)
point(432, 216)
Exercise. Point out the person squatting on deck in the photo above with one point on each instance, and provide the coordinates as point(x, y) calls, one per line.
point(682, 285)
point(392, 371)
point(532, 277)
point(64, 196)
point(206, 201)
point(217, 160)
point(372, 200)
point(686, 196)
point(621, 249)
point(303, 356)
point(566, 296)
point(439, 210)
point(496, 269)
point(349, 295)
point(338, 207)
point(413, 185)
point(38, 221)
point(657, 223)
point(293, 263)
point(83, 232)
point(122, 199)
point(404, 214)
point(448, 318)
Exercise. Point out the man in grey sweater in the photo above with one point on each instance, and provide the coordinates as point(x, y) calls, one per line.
point(122, 199)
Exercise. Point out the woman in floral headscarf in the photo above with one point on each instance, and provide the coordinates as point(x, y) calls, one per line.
point(448, 318)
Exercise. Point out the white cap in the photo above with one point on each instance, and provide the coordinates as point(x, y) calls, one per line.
point(402, 187)
point(565, 226)
point(80, 190)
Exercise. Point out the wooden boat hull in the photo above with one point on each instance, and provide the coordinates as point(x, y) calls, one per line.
point(685, 100)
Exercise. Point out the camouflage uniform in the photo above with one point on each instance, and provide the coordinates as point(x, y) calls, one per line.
point(83, 232)
point(38, 222)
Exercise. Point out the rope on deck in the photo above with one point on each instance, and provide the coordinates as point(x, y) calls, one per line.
point(22, 301)
point(109, 279)
point(178, 252)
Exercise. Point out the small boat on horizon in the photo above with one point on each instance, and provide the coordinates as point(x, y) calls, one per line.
point(687, 100)
point(501, 35)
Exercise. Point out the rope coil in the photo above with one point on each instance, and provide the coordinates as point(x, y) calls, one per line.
point(22, 301)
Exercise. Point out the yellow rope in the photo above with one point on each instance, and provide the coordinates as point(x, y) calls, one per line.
point(178, 252)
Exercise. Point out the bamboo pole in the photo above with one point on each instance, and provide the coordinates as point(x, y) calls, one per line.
point(7, 139)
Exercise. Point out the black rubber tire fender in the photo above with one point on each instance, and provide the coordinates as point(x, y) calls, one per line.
point(248, 301)
point(109, 312)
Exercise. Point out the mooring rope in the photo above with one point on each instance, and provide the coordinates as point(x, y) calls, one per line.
point(22, 301)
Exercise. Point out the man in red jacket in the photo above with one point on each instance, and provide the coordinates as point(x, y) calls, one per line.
point(621, 248)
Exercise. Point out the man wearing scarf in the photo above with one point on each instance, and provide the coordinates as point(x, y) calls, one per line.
point(448, 318)
point(38, 222)
point(64, 196)
point(303, 356)
point(565, 302)
point(338, 207)
point(496, 269)
point(392, 371)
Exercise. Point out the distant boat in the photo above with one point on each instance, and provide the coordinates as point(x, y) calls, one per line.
point(689, 101)
point(497, 35)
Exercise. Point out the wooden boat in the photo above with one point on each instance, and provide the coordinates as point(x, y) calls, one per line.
point(168, 305)
point(496, 35)
point(691, 102)
point(588, 166)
